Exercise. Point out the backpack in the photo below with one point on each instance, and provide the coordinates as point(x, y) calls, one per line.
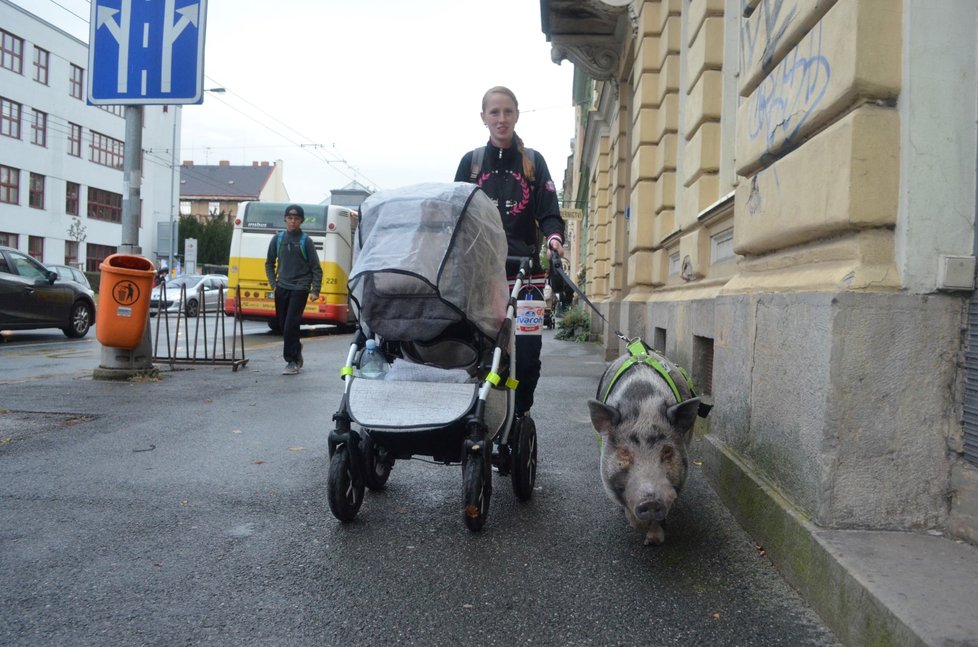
point(479, 153)
point(279, 241)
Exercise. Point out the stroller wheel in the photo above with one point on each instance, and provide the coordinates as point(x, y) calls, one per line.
point(377, 465)
point(524, 459)
point(477, 484)
point(344, 494)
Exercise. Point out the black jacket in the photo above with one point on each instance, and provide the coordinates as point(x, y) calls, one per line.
point(523, 207)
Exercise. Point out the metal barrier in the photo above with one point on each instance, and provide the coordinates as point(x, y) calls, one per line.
point(197, 351)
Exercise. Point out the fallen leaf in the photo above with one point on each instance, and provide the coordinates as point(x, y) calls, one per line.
point(760, 549)
point(259, 462)
point(697, 463)
point(208, 401)
point(715, 616)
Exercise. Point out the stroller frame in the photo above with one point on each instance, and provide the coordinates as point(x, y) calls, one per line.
point(363, 458)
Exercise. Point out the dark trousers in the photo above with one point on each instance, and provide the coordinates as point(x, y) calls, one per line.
point(527, 370)
point(289, 305)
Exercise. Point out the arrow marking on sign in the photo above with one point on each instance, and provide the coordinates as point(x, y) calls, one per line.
point(120, 32)
point(189, 15)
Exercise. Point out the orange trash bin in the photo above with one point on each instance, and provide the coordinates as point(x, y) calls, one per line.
point(123, 306)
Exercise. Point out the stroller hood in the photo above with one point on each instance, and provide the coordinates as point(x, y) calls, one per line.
point(426, 257)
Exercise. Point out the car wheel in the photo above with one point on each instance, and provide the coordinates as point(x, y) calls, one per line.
point(192, 308)
point(79, 321)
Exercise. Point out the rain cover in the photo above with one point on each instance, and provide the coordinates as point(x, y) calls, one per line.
point(428, 256)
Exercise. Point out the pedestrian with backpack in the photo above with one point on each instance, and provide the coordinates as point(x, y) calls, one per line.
point(518, 181)
point(294, 274)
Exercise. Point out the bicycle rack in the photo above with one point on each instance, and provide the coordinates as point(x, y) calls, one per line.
point(197, 352)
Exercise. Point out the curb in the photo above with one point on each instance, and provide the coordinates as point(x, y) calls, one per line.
point(845, 602)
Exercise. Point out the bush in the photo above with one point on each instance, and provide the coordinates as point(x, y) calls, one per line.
point(575, 325)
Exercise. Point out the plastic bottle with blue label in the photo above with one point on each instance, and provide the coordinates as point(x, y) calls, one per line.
point(373, 365)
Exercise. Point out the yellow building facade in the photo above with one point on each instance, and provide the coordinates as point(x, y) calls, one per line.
point(780, 194)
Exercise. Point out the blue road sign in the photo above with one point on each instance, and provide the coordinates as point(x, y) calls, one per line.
point(146, 52)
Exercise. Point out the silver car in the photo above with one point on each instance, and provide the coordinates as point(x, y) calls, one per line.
point(68, 273)
point(190, 293)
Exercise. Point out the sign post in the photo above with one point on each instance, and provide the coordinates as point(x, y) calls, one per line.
point(142, 53)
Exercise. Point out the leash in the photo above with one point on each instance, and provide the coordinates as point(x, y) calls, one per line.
point(555, 264)
point(639, 352)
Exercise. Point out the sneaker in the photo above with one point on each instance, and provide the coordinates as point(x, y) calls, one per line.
point(292, 368)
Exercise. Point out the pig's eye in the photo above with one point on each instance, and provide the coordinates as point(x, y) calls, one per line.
point(667, 453)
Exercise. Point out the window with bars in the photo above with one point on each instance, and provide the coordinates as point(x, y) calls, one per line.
point(42, 60)
point(77, 82)
point(95, 254)
point(106, 150)
point(35, 247)
point(104, 205)
point(74, 139)
point(11, 52)
point(9, 118)
point(35, 191)
point(9, 185)
point(72, 191)
point(39, 128)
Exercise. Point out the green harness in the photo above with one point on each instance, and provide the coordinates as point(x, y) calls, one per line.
point(638, 353)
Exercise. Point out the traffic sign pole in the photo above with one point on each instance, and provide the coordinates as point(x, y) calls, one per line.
point(142, 53)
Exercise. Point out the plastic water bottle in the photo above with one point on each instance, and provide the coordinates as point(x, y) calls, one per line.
point(372, 364)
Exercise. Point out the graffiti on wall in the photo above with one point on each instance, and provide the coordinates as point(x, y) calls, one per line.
point(760, 37)
point(786, 99)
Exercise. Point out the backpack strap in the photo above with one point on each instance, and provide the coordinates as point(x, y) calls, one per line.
point(280, 240)
point(477, 155)
point(528, 156)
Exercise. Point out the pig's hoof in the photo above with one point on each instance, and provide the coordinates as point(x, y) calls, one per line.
point(655, 536)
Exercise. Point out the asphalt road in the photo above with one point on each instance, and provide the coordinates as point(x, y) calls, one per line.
point(192, 510)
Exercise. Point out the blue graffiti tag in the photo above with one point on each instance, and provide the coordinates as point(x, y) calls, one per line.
point(788, 96)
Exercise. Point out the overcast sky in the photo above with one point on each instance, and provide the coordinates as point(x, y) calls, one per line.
point(388, 91)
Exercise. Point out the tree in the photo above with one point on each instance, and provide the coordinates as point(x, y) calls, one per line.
point(213, 238)
point(77, 231)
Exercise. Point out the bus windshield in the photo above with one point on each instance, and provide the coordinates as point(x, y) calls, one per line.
point(261, 215)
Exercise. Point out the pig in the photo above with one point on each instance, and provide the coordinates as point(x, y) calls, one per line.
point(645, 433)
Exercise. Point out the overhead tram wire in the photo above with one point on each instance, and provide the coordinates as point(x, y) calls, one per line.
point(323, 158)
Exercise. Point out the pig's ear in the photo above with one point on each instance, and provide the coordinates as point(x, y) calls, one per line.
point(682, 415)
point(603, 417)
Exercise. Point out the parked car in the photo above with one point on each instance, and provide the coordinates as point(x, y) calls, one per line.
point(32, 297)
point(68, 273)
point(202, 290)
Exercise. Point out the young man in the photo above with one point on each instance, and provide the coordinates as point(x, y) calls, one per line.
point(293, 271)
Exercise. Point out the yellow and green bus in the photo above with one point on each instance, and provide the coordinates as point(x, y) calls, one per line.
point(331, 229)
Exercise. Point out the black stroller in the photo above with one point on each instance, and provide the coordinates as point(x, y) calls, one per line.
point(429, 285)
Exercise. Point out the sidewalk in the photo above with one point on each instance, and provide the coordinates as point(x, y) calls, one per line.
point(870, 587)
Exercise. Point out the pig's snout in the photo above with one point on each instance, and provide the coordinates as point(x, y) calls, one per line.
point(651, 510)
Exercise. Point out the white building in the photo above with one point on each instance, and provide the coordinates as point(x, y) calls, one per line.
point(61, 159)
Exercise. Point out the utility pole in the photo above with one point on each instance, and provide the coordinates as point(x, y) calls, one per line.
point(116, 362)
